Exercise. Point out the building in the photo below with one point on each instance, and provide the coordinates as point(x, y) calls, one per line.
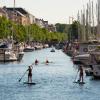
point(32, 19)
point(51, 28)
point(3, 13)
point(18, 15)
point(45, 24)
point(39, 22)
point(21, 16)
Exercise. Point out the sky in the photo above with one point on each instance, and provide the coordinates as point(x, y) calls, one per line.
point(54, 11)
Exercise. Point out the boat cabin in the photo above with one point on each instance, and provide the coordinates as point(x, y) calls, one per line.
point(87, 47)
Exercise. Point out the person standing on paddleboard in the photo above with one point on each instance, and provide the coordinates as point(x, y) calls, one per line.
point(29, 74)
point(81, 73)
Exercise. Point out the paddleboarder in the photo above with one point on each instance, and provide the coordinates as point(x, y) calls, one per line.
point(81, 74)
point(29, 74)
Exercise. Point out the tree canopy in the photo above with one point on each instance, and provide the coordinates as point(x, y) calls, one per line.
point(74, 31)
point(28, 32)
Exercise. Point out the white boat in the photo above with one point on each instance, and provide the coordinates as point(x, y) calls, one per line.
point(85, 52)
point(7, 55)
point(38, 46)
point(29, 49)
point(82, 59)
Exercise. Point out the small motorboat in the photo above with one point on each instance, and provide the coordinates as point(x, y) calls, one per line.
point(52, 50)
point(29, 49)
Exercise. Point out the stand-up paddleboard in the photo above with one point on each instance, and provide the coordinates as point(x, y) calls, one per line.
point(79, 82)
point(29, 83)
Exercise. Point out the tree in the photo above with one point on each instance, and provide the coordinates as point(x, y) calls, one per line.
point(74, 31)
point(62, 28)
point(28, 32)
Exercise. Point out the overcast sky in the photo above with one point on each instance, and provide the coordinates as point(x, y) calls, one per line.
point(52, 10)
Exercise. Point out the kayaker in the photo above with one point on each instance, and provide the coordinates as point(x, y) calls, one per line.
point(47, 61)
point(36, 62)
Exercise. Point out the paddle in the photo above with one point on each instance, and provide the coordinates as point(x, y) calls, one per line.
point(24, 74)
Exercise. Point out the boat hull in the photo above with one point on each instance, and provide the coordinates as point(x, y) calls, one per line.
point(28, 49)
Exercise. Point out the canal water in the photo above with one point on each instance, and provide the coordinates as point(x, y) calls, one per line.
point(53, 81)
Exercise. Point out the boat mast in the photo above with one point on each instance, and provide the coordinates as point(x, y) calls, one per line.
point(78, 19)
point(93, 21)
point(98, 20)
point(87, 24)
point(12, 26)
point(90, 36)
point(84, 36)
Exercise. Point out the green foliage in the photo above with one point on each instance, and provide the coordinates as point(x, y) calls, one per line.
point(74, 31)
point(5, 27)
point(28, 33)
point(62, 28)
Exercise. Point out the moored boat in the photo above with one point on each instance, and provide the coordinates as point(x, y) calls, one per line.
point(8, 54)
point(52, 50)
point(96, 71)
point(82, 59)
point(29, 49)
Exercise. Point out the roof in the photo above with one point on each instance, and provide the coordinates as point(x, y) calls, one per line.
point(21, 10)
point(1, 10)
point(20, 13)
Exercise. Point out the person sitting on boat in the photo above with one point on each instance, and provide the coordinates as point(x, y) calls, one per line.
point(29, 74)
point(81, 73)
point(36, 62)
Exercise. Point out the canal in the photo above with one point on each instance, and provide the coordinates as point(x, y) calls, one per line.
point(53, 81)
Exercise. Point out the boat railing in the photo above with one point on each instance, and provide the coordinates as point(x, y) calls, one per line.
point(3, 50)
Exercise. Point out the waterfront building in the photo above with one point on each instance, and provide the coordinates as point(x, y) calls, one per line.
point(51, 28)
point(18, 15)
point(32, 18)
point(39, 22)
point(23, 17)
point(3, 13)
